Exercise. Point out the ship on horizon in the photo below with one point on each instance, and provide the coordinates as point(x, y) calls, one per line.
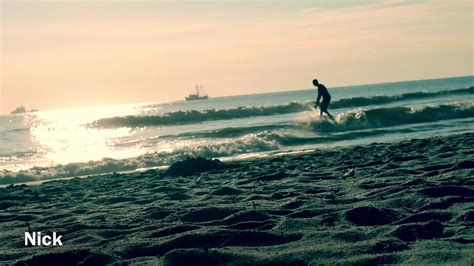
point(197, 95)
point(21, 109)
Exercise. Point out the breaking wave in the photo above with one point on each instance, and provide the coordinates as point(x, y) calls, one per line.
point(365, 101)
point(266, 141)
point(346, 121)
point(193, 116)
point(392, 116)
point(230, 142)
point(247, 144)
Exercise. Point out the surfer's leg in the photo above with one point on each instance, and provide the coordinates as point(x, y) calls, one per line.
point(330, 116)
point(324, 107)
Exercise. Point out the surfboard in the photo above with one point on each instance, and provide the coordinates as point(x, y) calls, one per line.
point(313, 115)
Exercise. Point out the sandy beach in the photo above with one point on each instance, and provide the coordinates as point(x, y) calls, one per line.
point(409, 202)
point(258, 133)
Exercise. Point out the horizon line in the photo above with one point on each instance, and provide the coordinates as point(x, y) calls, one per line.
point(258, 93)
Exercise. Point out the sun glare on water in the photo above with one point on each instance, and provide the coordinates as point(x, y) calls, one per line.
point(67, 135)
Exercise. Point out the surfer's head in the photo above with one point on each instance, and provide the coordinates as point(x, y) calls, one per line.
point(315, 82)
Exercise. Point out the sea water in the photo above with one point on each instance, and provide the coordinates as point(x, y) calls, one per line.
point(93, 140)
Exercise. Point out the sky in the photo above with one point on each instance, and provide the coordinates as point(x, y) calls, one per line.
point(59, 54)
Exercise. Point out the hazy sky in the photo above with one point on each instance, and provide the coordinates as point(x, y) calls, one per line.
point(72, 53)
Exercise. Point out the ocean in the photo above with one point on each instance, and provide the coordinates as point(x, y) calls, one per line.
point(95, 140)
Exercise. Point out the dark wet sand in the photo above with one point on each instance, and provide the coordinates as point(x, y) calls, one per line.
point(410, 202)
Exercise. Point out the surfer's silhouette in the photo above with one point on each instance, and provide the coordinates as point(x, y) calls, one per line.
point(322, 93)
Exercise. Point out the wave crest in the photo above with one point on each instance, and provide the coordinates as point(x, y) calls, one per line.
point(365, 101)
point(392, 116)
point(193, 116)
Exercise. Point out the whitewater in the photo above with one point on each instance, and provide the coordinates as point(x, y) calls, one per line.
point(95, 140)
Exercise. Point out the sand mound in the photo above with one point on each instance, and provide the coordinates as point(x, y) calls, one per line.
point(173, 230)
point(198, 257)
point(412, 232)
point(207, 214)
point(370, 216)
point(73, 257)
point(192, 166)
point(443, 191)
point(467, 216)
point(387, 246)
point(426, 217)
point(246, 216)
point(225, 191)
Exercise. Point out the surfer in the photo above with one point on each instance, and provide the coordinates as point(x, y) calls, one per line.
point(322, 92)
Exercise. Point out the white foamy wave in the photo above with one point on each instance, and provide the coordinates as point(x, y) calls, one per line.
point(391, 116)
point(167, 155)
point(229, 142)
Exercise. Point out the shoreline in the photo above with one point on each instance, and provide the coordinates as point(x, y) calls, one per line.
point(394, 202)
point(242, 157)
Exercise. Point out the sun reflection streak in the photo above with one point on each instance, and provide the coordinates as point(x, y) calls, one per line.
point(65, 135)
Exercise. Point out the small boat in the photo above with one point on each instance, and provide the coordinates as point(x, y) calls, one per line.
point(21, 109)
point(197, 95)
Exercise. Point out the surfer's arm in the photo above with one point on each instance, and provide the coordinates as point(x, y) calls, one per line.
point(317, 100)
